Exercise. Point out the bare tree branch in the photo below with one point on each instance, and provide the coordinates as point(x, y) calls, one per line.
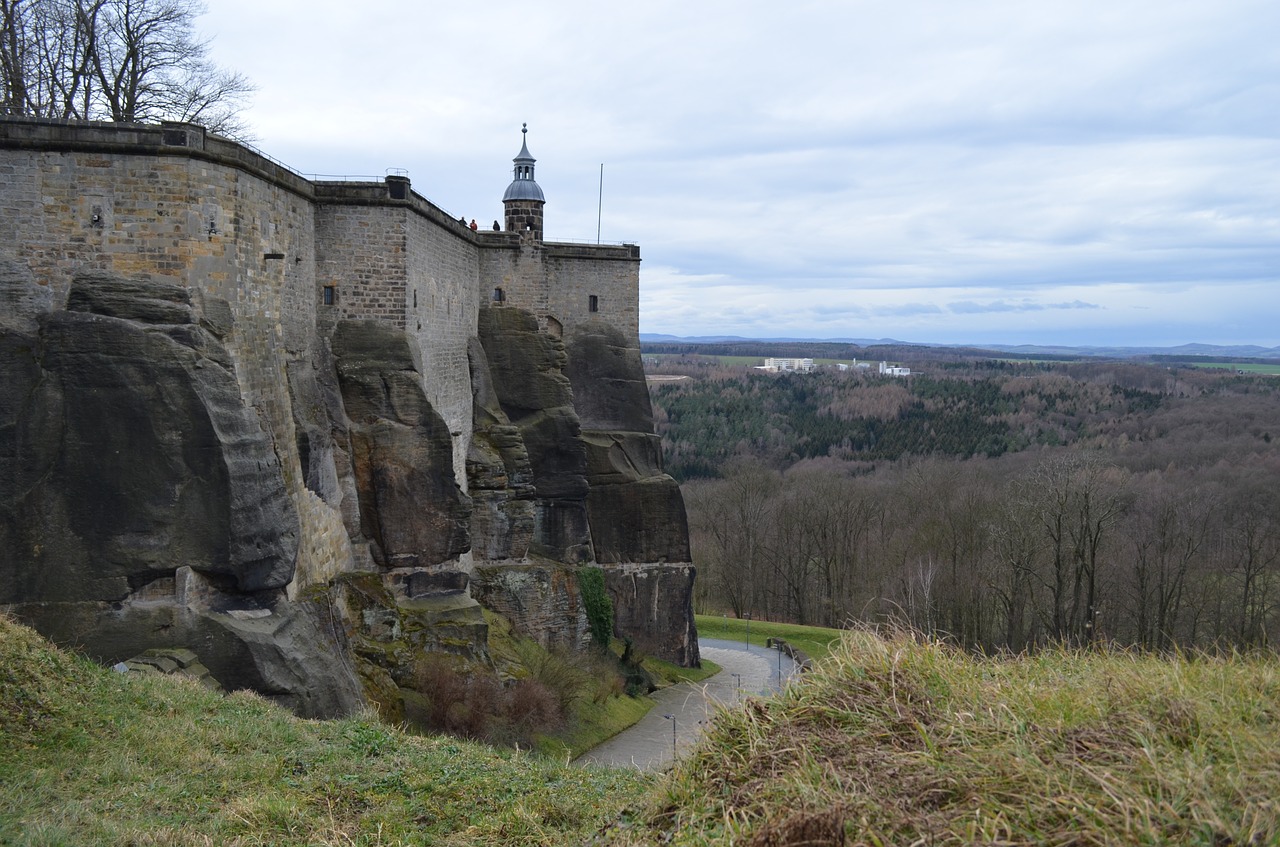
point(119, 60)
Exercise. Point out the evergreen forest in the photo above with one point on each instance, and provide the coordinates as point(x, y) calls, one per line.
point(997, 504)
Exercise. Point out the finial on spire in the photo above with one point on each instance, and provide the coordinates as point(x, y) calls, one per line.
point(525, 129)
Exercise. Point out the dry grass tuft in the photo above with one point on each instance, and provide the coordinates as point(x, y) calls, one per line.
point(897, 740)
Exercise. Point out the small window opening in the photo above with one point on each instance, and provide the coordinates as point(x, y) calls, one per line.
point(498, 295)
point(330, 295)
point(593, 303)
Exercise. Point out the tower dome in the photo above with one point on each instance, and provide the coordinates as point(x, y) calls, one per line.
point(523, 199)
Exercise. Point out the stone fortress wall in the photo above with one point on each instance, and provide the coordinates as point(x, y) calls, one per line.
point(276, 264)
point(173, 201)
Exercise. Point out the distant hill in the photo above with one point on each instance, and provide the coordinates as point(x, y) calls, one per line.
point(1211, 351)
point(657, 338)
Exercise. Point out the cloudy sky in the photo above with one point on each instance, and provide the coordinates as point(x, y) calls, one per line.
point(948, 171)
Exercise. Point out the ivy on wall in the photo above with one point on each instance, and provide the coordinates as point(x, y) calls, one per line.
point(598, 606)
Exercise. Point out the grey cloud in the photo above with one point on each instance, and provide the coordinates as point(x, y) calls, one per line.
point(998, 161)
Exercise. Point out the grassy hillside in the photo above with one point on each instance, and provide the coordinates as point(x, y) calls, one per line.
point(894, 741)
point(891, 741)
point(88, 756)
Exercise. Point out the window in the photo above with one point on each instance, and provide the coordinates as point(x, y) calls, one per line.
point(593, 303)
point(330, 295)
point(498, 295)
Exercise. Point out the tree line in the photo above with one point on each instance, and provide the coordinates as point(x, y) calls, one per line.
point(963, 409)
point(132, 61)
point(1153, 519)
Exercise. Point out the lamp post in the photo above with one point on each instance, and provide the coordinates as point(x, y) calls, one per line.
point(672, 718)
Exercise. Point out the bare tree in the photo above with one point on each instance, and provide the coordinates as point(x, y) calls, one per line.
point(1254, 547)
point(1017, 555)
point(119, 60)
point(14, 58)
point(1079, 501)
point(733, 518)
point(1169, 528)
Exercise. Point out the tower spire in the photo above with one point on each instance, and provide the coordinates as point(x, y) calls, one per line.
point(523, 200)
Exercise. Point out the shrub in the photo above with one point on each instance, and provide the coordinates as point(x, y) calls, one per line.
point(472, 703)
point(460, 702)
point(529, 709)
point(562, 674)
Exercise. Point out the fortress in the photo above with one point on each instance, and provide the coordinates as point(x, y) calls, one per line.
point(311, 430)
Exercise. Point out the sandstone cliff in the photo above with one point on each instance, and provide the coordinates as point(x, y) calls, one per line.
point(144, 502)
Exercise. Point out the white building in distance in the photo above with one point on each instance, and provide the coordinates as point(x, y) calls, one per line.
point(803, 366)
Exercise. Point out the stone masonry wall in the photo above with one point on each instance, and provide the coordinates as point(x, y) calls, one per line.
point(557, 281)
point(441, 304)
point(360, 254)
point(576, 273)
point(515, 265)
point(398, 259)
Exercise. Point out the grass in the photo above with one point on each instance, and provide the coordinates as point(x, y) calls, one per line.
point(668, 673)
point(898, 740)
point(1267, 369)
point(891, 740)
point(816, 641)
point(596, 723)
point(88, 756)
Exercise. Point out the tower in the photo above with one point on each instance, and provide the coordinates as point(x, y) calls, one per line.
point(523, 200)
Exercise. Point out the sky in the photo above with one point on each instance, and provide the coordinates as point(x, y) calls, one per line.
point(1053, 172)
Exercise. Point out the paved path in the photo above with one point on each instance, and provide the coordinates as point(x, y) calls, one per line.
point(650, 743)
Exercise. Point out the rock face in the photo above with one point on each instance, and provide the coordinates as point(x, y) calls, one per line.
point(499, 474)
point(398, 617)
point(142, 504)
point(639, 531)
point(132, 452)
point(653, 605)
point(411, 507)
point(542, 601)
point(526, 368)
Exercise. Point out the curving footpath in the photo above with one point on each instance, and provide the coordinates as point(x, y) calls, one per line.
point(652, 743)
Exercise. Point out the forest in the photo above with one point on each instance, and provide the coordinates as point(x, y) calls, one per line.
point(997, 504)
